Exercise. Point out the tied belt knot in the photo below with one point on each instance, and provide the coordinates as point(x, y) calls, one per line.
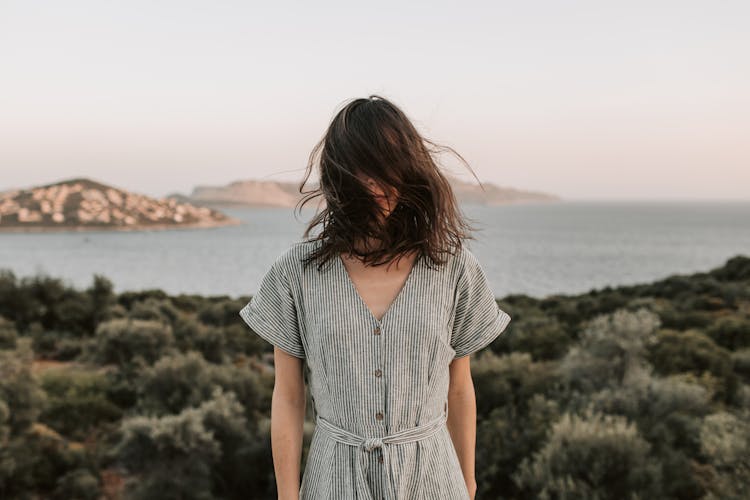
point(372, 443)
point(368, 444)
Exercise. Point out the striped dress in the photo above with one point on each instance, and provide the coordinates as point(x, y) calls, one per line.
point(379, 387)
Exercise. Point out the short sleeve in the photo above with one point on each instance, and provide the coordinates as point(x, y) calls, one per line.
point(478, 320)
point(272, 314)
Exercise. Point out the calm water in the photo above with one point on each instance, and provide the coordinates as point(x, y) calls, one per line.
point(536, 249)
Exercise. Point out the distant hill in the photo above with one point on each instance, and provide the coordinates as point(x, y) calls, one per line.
point(245, 193)
point(285, 194)
point(472, 193)
point(82, 203)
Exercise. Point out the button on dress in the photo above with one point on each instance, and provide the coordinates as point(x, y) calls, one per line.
point(379, 387)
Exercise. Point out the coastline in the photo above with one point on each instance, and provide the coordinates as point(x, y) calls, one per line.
point(86, 229)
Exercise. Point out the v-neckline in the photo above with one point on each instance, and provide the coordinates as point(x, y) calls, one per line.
point(391, 306)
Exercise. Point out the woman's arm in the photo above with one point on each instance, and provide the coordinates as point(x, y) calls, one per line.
point(287, 420)
point(462, 418)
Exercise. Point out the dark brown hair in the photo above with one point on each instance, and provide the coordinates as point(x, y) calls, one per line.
point(374, 138)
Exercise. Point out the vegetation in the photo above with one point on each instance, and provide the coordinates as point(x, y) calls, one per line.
point(622, 393)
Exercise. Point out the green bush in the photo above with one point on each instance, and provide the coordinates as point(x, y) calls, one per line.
point(507, 436)
point(191, 334)
point(41, 464)
point(221, 313)
point(77, 402)
point(668, 413)
point(541, 336)
point(121, 341)
point(56, 345)
point(181, 381)
point(725, 440)
point(731, 332)
point(509, 380)
point(19, 388)
point(610, 348)
point(155, 309)
point(174, 383)
point(741, 363)
point(693, 352)
point(592, 456)
point(79, 484)
point(174, 456)
point(4, 421)
point(8, 334)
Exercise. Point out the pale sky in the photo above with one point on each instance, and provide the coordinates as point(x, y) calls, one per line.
point(583, 99)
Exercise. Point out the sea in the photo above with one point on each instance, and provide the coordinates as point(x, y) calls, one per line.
point(536, 249)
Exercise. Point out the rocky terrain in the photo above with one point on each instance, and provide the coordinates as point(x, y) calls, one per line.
point(82, 203)
point(286, 194)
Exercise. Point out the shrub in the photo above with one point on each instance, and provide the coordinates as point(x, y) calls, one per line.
point(179, 381)
point(19, 388)
point(542, 337)
point(509, 380)
point(8, 334)
point(155, 309)
point(592, 456)
point(610, 348)
point(741, 363)
point(725, 440)
point(731, 332)
point(174, 456)
point(77, 402)
point(120, 341)
point(41, 464)
point(507, 437)
point(693, 352)
point(191, 334)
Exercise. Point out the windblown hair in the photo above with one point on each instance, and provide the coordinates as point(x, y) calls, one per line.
point(374, 138)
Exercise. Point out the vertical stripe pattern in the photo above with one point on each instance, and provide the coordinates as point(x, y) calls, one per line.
point(379, 387)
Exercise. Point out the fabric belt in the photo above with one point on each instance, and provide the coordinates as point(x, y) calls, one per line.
point(367, 444)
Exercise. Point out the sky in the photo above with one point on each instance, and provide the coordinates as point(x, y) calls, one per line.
point(587, 100)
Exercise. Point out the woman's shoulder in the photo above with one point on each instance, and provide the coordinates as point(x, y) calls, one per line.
point(466, 256)
point(466, 261)
point(290, 260)
point(454, 262)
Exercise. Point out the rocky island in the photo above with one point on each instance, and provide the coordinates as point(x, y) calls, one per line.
point(83, 204)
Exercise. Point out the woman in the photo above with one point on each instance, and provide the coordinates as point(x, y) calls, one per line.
point(385, 322)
